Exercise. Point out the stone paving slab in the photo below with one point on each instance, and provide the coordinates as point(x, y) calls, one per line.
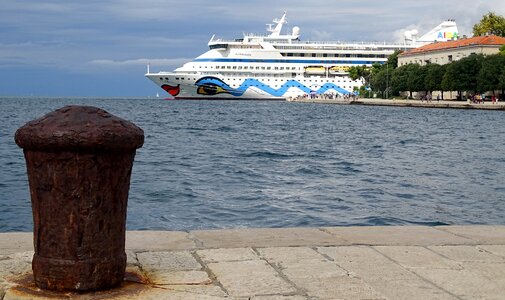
point(481, 234)
point(12, 242)
point(264, 237)
point(397, 235)
point(411, 262)
point(250, 278)
point(158, 240)
point(382, 274)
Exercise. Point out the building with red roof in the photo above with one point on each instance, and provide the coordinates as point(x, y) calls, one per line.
point(445, 52)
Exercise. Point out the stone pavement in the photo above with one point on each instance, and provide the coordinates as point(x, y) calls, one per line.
point(409, 103)
point(404, 262)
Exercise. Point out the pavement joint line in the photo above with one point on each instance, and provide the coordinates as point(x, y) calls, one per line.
point(211, 274)
point(488, 252)
point(414, 273)
point(198, 244)
point(299, 291)
point(440, 228)
point(444, 256)
point(329, 258)
point(142, 271)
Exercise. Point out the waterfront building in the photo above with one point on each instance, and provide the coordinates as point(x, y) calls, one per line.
point(446, 52)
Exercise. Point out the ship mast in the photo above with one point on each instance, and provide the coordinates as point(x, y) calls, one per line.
point(275, 32)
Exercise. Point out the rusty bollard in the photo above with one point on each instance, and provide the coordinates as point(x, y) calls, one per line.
point(79, 161)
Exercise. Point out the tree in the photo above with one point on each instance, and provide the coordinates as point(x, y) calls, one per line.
point(490, 24)
point(399, 79)
point(490, 71)
point(502, 81)
point(433, 78)
point(378, 81)
point(502, 50)
point(415, 78)
point(469, 68)
point(450, 77)
point(360, 72)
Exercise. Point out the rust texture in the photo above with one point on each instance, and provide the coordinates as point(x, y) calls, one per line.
point(79, 161)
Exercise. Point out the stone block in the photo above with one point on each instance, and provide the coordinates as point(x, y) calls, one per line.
point(279, 297)
point(466, 254)
point(397, 235)
point(264, 237)
point(164, 277)
point(226, 255)
point(382, 274)
point(417, 257)
point(250, 278)
point(498, 250)
point(169, 261)
point(338, 287)
point(464, 283)
point(12, 242)
point(288, 254)
point(158, 240)
point(481, 234)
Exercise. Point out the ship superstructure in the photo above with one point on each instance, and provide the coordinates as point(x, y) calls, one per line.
point(279, 66)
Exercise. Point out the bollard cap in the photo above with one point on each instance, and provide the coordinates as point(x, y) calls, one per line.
point(79, 128)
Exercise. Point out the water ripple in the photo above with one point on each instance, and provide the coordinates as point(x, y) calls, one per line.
point(213, 164)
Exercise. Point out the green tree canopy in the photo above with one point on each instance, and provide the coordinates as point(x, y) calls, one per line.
point(433, 77)
point(490, 72)
point(490, 23)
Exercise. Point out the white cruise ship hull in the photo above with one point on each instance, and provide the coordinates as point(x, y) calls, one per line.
point(191, 86)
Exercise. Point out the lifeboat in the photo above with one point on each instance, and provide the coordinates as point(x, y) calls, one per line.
point(337, 70)
point(315, 70)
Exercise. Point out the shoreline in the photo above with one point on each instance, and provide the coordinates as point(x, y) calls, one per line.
point(407, 103)
point(370, 262)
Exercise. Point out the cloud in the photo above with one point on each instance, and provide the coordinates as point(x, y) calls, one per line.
point(139, 62)
point(116, 36)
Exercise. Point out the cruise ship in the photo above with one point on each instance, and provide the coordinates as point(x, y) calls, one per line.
point(280, 66)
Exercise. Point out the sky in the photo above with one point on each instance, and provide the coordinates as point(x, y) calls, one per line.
point(102, 48)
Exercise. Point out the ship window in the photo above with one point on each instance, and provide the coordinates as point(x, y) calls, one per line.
point(313, 55)
point(161, 78)
point(176, 78)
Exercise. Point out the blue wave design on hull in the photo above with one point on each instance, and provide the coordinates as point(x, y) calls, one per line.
point(210, 81)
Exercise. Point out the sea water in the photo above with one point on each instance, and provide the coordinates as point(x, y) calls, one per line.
point(233, 164)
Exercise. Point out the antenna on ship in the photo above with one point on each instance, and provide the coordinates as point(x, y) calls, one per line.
point(148, 68)
point(277, 30)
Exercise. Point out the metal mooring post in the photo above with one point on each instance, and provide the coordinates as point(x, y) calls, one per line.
point(79, 161)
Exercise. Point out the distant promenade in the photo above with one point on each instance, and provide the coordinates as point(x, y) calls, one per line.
point(397, 262)
point(407, 103)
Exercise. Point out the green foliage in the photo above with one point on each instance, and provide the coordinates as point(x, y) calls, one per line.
point(502, 50)
point(449, 77)
point(379, 81)
point(400, 78)
point(490, 72)
point(433, 77)
point(490, 23)
point(393, 59)
point(501, 78)
point(469, 68)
